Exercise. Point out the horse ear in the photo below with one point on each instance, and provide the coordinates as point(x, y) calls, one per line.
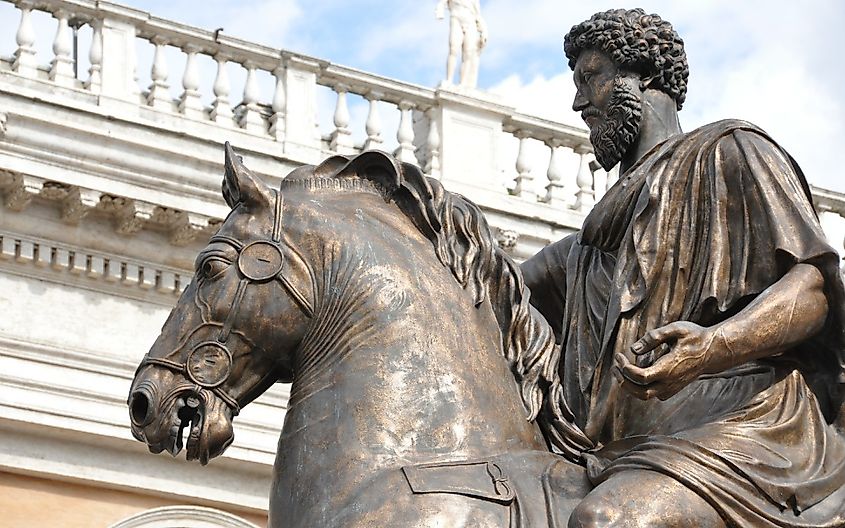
point(240, 185)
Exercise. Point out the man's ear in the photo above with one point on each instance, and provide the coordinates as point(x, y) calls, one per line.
point(241, 186)
point(646, 80)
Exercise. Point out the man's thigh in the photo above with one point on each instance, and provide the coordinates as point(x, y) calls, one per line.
point(643, 499)
point(456, 35)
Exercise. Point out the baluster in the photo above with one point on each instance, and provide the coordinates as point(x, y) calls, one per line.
point(612, 177)
point(599, 183)
point(25, 37)
point(841, 252)
point(189, 103)
point(61, 67)
point(95, 57)
point(432, 166)
point(221, 110)
point(405, 134)
point(159, 95)
point(585, 196)
point(555, 190)
point(250, 118)
point(341, 140)
point(373, 125)
point(523, 178)
point(279, 106)
point(832, 225)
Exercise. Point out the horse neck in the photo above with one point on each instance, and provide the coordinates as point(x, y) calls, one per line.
point(401, 364)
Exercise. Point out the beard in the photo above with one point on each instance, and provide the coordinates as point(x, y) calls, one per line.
point(613, 135)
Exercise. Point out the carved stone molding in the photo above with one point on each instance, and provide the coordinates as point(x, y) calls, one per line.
point(184, 517)
point(64, 401)
point(130, 216)
point(507, 239)
point(19, 189)
point(115, 274)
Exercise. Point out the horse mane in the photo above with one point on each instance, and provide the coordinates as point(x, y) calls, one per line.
point(464, 243)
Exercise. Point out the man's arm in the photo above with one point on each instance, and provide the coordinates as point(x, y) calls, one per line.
point(545, 276)
point(439, 10)
point(479, 23)
point(790, 311)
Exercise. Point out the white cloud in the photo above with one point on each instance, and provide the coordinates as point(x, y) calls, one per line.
point(774, 64)
point(548, 98)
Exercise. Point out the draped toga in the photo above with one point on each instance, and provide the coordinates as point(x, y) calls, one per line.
point(694, 231)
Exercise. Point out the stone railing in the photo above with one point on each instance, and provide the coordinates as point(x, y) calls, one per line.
point(460, 137)
point(513, 165)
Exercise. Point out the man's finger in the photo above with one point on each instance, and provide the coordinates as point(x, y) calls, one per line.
point(639, 375)
point(654, 338)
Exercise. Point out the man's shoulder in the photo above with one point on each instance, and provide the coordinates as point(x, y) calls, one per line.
point(723, 128)
point(725, 135)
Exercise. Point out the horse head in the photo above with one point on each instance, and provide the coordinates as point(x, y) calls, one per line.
point(388, 263)
point(252, 295)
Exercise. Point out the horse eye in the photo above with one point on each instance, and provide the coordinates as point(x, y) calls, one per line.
point(213, 267)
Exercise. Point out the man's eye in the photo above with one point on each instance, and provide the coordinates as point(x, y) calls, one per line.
point(213, 267)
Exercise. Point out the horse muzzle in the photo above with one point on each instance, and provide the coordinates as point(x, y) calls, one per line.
point(168, 420)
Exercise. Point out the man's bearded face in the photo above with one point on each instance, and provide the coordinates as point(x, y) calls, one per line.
point(613, 132)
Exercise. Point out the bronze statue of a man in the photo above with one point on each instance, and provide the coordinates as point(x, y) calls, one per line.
point(699, 309)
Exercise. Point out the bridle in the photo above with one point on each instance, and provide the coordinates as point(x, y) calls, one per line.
point(209, 363)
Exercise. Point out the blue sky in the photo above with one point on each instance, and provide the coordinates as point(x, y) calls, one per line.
point(777, 64)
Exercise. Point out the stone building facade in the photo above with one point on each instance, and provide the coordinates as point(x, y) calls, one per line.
point(109, 186)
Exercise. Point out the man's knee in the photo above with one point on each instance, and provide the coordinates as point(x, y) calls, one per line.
point(643, 499)
point(595, 514)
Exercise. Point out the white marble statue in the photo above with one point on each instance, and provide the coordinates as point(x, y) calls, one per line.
point(467, 34)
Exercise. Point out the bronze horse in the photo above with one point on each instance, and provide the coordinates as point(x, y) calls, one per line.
point(418, 366)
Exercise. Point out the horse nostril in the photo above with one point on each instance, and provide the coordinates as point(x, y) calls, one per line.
point(140, 410)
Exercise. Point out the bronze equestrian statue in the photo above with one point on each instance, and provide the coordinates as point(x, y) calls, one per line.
point(690, 373)
point(418, 364)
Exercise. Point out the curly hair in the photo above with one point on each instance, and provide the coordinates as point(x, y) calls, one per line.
point(642, 43)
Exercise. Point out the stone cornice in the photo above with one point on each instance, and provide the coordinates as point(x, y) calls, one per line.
point(54, 398)
point(88, 269)
point(127, 215)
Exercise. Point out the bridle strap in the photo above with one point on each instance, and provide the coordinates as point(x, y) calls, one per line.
point(277, 218)
point(182, 369)
point(255, 274)
point(233, 311)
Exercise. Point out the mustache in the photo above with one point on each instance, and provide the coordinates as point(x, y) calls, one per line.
point(591, 112)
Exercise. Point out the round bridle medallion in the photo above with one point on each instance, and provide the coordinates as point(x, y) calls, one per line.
point(209, 364)
point(261, 261)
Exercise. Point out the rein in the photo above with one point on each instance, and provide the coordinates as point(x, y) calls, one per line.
point(209, 363)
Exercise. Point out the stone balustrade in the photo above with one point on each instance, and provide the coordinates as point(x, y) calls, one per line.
point(474, 142)
point(508, 162)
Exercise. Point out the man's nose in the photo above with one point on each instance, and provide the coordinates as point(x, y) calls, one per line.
point(580, 102)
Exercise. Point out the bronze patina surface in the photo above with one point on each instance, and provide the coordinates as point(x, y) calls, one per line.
point(679, 363)
point(699, 309)
point(418, 364)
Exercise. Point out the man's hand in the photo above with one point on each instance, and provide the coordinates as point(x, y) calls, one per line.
point(482, 34)
point(689, 353)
